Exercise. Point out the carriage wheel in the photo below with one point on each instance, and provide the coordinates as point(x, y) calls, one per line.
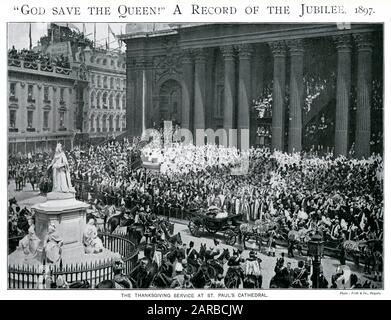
point(194, 228)
point(230, 237)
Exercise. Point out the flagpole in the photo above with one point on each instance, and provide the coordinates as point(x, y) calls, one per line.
point(108, 37)
point(31, 42)
point(94, 34)
point(144, 99)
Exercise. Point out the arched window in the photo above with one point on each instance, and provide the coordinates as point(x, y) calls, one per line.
point(117, 128)
point(97, 124)
point(123, 122)
point(104, 100)
point(111, 102)
point(92, 120)
point(98, 100)
point(117, 101)
point(123, 107)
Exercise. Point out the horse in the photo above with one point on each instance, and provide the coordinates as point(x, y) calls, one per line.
point(22, 222)
point(136, 232)
point(201, 278)
point(144, 273)
point(120, 220)
point(12, 201)
point(233, 277)
point(215, 266)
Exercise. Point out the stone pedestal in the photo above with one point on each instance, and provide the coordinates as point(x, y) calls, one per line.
point(69, 217)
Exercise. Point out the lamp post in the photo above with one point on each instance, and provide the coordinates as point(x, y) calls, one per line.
point(315, 250)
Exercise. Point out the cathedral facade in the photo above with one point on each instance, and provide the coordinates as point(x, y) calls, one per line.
point(279, 81)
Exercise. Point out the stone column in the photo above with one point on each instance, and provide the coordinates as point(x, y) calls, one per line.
point(199, 89)
point(364, 91)
point(278, 112)
point(55, 101)
point(187, 94)
point(229, 89)
point(344, 71)
point(130, 94)
point(149, 93)
point(138, 108)
point(296, 95)
point(244, 93)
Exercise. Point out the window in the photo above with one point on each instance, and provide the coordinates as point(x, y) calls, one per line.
point(92, 124)
point(112, 83)
point(62, 90)
point(105, 82)
point(98, 100)
point(117, 98)
point(46, 119)
point(12, 118)
point(30, 114)
point(111, 102)
point(62, 119)
point(46, 94)
point(118, 83)
point(104, 102)
point(117, 123)
point(123, 103)
point(93, 79)
point(12, 89)
point(98, 81)
point(30, 93)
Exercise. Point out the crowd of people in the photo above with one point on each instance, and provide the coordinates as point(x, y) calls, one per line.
point(34, 56)
point(341, 196)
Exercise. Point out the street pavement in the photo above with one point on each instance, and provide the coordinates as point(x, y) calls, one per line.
point(268, 262)
point(29, 197)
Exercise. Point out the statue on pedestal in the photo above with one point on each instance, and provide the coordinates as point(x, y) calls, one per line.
point(52, 245)
point(61, 176)
point(92, 243)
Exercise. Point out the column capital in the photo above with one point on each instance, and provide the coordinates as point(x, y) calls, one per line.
point(228, 52)
point(363, 41)
point(278, 48)
point(148, 62)
point(244, 50)
point(296, 46)
point(343, 42)
point(139, 62)
point(187, 56)
point(199, 55)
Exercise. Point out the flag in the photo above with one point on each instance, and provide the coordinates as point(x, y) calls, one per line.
point(67, 25)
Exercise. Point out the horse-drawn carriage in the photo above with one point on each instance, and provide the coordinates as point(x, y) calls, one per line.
point(209, 221)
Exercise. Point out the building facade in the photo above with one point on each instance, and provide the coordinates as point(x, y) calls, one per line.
point(106, 93)
point(42, 105)
point(64, 90)
point(209, 75)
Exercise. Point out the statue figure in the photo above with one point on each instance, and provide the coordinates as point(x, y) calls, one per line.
point(30, 242)
point(61, 175)
point(92, 243)
point(52, 245)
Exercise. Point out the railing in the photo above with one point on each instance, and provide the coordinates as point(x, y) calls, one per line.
point(39, 66)
point(30, 277)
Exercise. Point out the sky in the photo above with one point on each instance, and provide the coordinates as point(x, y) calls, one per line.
point(18, 33)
